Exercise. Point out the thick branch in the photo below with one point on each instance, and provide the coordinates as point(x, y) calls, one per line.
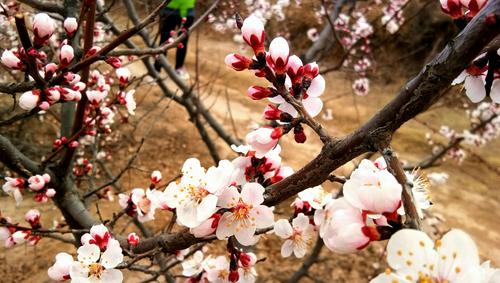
point(16, 160)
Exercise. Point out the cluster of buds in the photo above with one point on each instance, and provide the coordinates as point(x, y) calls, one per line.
point(63, 141)
point(82, 167)
point(294, 85)
point(38, 184)
point(12, 234)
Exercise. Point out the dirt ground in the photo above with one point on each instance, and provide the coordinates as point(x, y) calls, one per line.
point(469, 200)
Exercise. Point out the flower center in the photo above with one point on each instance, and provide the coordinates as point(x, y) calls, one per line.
point(95, 270)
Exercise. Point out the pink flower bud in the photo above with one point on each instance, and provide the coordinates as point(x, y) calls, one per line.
point(156, 177)
point(258, 92)
point(10, 60)
point(29, 100)
point(133, 239)
point(261, 141)
point(238, 62)
point(271, 112)
point(93, 50)
point(253, 33)
point(73, 144)
point(44, 105)
point(311, 70)
point(294, 67)
point(123, 75)
point(278, 52)
point(33, 218)
point(70, 26)
point(67, 55)
point(43, 27)
point(114, 62)
point(452, 8)
point(53, 95)
point(95, 97)
point(50, 69)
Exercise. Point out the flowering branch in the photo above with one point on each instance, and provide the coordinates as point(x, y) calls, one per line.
point(408, 199)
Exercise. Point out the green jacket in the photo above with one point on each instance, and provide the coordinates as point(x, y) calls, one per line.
point(182, 5)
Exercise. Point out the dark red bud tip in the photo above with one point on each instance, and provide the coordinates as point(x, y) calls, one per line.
point(234, 276)
point(277, 133)
point(371, 232)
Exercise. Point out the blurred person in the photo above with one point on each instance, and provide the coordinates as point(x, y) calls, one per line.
point(177, 14)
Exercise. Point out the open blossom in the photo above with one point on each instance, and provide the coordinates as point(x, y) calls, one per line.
point(342, 226)
point(194, 265)
point(254, 34)
point(139, 202)
point(373, 190)
point(452, 8)
point(262, 141)
point(298, 236)
point(38, 182)
point(316, 197)
point(33, 218)
point(60, 270)
point(419, 187)
point(29, 100)
point(361, 86)
point(99, 236)
point(217, 269)
point(130, 102)
point(415, 258)
point(195, 197)
point(43, 27)
point(246, 213)
point(10, 60)
point(13, 186)
point(311, 101)
point(92, 266)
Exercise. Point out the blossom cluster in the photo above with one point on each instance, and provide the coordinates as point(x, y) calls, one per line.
point(484, 127)
point(38, 184)
point(354, 33)
point(393, 16)
point(414, 257)
point(97, 259)
point(12, 234)
point(372, 199)
point(239, 268)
